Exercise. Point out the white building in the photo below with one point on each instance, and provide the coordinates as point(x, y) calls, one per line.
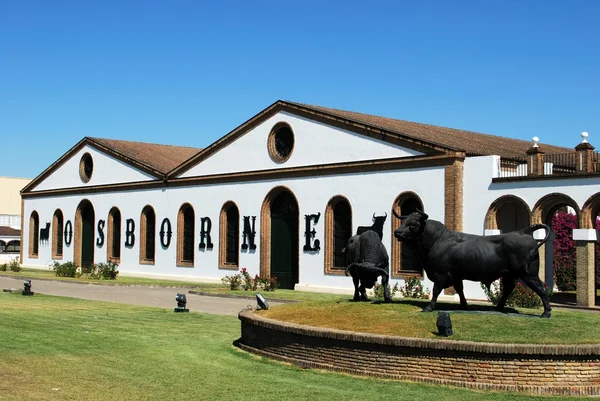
point(251, 198)
point(10, 217)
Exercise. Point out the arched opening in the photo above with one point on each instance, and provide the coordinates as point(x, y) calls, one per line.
point(186, 238)
point(590, 219)
point(562, 214)
point(57, 234)
point(13, 246)
point(84, 234)
point(279, 237)
point(404, 260)
point(508, 213)
point(114, 236)
point(229, 236)
point(2, 246)
point(148, 235)
point(338, 229)
point(34, 235)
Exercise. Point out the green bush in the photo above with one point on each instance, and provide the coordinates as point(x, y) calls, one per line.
point(413, 288)
point(522, 296)
point(104, 271)
point(3, 267)
point(378, 290)
point(67, 269)
point(14, 265)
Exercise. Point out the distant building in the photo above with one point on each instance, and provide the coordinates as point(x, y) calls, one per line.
point(281, 194)
point(10, 216)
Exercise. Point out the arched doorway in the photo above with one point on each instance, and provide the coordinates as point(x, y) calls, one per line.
point(507, 213)
point(552, 209)
point(84, 234)
point(281, 221)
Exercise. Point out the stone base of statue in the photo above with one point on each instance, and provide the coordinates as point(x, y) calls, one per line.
point(180, 309)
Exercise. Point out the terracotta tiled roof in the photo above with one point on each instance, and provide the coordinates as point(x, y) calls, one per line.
point(9, 232)
point(473, 143)
point(162, 158)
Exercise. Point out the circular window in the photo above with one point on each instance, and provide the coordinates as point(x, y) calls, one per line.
point(86, 167)
point(281, 142)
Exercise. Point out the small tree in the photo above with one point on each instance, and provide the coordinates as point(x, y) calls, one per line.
point(564, 251)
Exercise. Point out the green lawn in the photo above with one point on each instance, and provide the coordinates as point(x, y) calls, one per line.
point(404, 318)
point(68, 349)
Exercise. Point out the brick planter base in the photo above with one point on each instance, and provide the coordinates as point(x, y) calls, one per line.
point(538, 369)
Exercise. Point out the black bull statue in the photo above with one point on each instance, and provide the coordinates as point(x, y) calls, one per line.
point(449, 257)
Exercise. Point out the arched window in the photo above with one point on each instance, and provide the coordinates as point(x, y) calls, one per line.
point(13, 247)
point(57, 235)
point(404, 260)
point(2, 246)
point(229, 236)
point(338, 229)
point(186, 236)
point(34, 235)
point(114, 235)
point(148, 235)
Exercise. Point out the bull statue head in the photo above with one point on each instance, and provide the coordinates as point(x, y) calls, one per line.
point(382, 218)
point(412, 226)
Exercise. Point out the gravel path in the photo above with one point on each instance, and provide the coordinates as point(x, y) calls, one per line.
point(140, 295)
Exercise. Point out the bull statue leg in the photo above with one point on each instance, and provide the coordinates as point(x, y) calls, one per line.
point(356, 282)
point(508, 285)
point(437, 289)
point(458, 286)
point(385, 282)
point(538, 287)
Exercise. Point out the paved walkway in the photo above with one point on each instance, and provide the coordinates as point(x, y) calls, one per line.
point(141, 295)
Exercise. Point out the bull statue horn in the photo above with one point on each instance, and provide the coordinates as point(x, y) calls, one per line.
point(397, 215)
point(373, 216)
point(385, 215)
point(425, 215)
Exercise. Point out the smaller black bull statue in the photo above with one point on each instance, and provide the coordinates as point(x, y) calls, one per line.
point(449, 257)
point(377, 226)
point(367, 259)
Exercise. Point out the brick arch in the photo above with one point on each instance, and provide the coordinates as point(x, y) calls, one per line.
point(396, 260)
point(34, 234)
point(589, 211)
point(265, 228)
point(182, 260)
point(147, 235)
point(57, 234)
point(224, 236)
point(330, 267)
point(549, 203)
point(113, 235)
point(78, 230)
point(491, 221)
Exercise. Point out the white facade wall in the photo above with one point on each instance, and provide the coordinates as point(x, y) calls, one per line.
point(315, 144)
point(107, 170)
point(367, 193)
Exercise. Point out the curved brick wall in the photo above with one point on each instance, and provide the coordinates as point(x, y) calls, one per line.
point(540, 369)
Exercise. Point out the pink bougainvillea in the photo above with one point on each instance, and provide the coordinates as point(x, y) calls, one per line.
point(565, 271)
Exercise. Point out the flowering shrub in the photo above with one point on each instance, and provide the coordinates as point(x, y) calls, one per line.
point(413, 288)
point(233, 282)
point(378, 290)
point(564, 251)
point(247, 282)
point(522, 296)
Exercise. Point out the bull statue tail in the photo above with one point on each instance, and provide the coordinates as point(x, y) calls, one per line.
point(531, 255)
point(369, 267)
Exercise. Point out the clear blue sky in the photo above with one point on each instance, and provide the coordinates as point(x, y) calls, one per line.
point(187, 72)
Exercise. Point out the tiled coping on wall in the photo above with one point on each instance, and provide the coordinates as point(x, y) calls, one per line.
point(539, 369)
